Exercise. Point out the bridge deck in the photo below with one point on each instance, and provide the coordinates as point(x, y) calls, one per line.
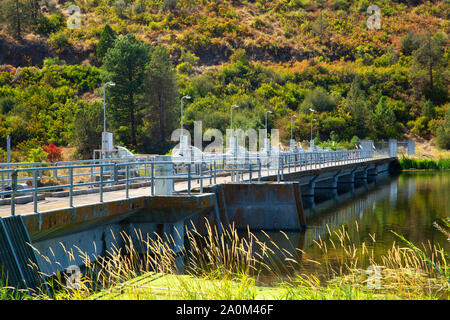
point(52, 203)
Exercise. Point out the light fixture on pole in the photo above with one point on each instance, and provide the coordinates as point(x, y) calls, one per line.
point(183, 141)
point(107, 137)
point(267, 145)
point(110, 84)
point(231, 115)
point(312, 110)
point(292, 133)
point(233, 142)
point(267, 112)
point(292, 142)
point(311, 129)
point(181, 119)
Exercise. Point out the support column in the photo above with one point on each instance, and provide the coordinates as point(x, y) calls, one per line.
point(164, 187)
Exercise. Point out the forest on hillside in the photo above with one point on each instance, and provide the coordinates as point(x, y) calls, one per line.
point(287, 56)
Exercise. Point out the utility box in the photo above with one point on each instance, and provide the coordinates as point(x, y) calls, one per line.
point(292, 145)
point(411, 148)
point(107, 141)
point(393, 148)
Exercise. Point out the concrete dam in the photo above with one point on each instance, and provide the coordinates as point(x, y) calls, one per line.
point(249, 194)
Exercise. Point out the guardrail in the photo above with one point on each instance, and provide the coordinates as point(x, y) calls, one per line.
point(45, 177)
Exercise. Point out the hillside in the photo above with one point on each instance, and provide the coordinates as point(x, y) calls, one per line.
point(285, 56)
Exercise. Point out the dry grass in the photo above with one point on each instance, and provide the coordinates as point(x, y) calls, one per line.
point(427, 150)
point(234, 265)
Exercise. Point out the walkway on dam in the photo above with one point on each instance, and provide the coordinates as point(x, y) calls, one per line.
point(52, 203)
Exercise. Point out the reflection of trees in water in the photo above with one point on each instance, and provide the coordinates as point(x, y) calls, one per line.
point(408, 205)
point(325, 220)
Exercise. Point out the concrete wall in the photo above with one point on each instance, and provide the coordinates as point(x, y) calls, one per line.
point(263, 206)
point(63, 237)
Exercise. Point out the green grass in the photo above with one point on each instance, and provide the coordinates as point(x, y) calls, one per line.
point(424, 164)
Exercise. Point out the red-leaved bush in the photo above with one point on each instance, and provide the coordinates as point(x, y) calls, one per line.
point(54, 152)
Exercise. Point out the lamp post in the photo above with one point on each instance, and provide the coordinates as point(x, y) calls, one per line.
point(267, 112)
point(231, 115)
point(182, 142)
point(292, 142)
point(292, 134)
point(312, 141)
point(111, 84)
point(267, 137)
point(312, 110)
point(181, 119)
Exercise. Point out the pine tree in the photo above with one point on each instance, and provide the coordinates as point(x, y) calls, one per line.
point(384, 120)
point(428, 61)
point(162, 88)
point(357, 104)
point(16, 14)
point(443, 133)
point(125, 64)
point(107, 38)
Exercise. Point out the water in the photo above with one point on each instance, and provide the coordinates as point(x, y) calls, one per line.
point(407, 204)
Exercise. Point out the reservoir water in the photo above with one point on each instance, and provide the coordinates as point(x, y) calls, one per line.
point(407, 204)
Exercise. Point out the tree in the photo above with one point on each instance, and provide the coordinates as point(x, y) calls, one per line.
point(429, 58)
point(88, 127)
point(162, 89)
point(319, 100)
point(443, 133)
point(125, 64)
point(107, 38)
point(428, 110)
point(16, 14)
point(384, 120)
point(410, 42)
point(357, 104)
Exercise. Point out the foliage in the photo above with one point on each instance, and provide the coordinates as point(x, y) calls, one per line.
point(285, 56)
point(54, 153)
point(107, 38)
point(125, 65)
point(16, 14)
point(443, 132)
point(424, 164)
point(88, 126)
point(161, 92)
point(37, 155)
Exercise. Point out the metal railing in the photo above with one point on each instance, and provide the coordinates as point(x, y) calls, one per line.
point(115, 174)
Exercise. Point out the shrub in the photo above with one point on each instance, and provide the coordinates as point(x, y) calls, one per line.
point(54, 152)
point(59, 41)
point(37, 155)
point(319, 100)
point(49, 24)
point(443, 133)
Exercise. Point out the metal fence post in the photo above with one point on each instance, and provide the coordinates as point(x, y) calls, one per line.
point(92, 177)
point(189, 178)
point(259, 170)
point(200, 168)
point(13, 194)
point(71, 187)
point(215, 173)
point(35, 193)
point(101, 183)
point(127, 193)
point(153, 178)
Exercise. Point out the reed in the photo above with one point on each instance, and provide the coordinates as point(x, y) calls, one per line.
point(424, 164)
point(233, 265)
